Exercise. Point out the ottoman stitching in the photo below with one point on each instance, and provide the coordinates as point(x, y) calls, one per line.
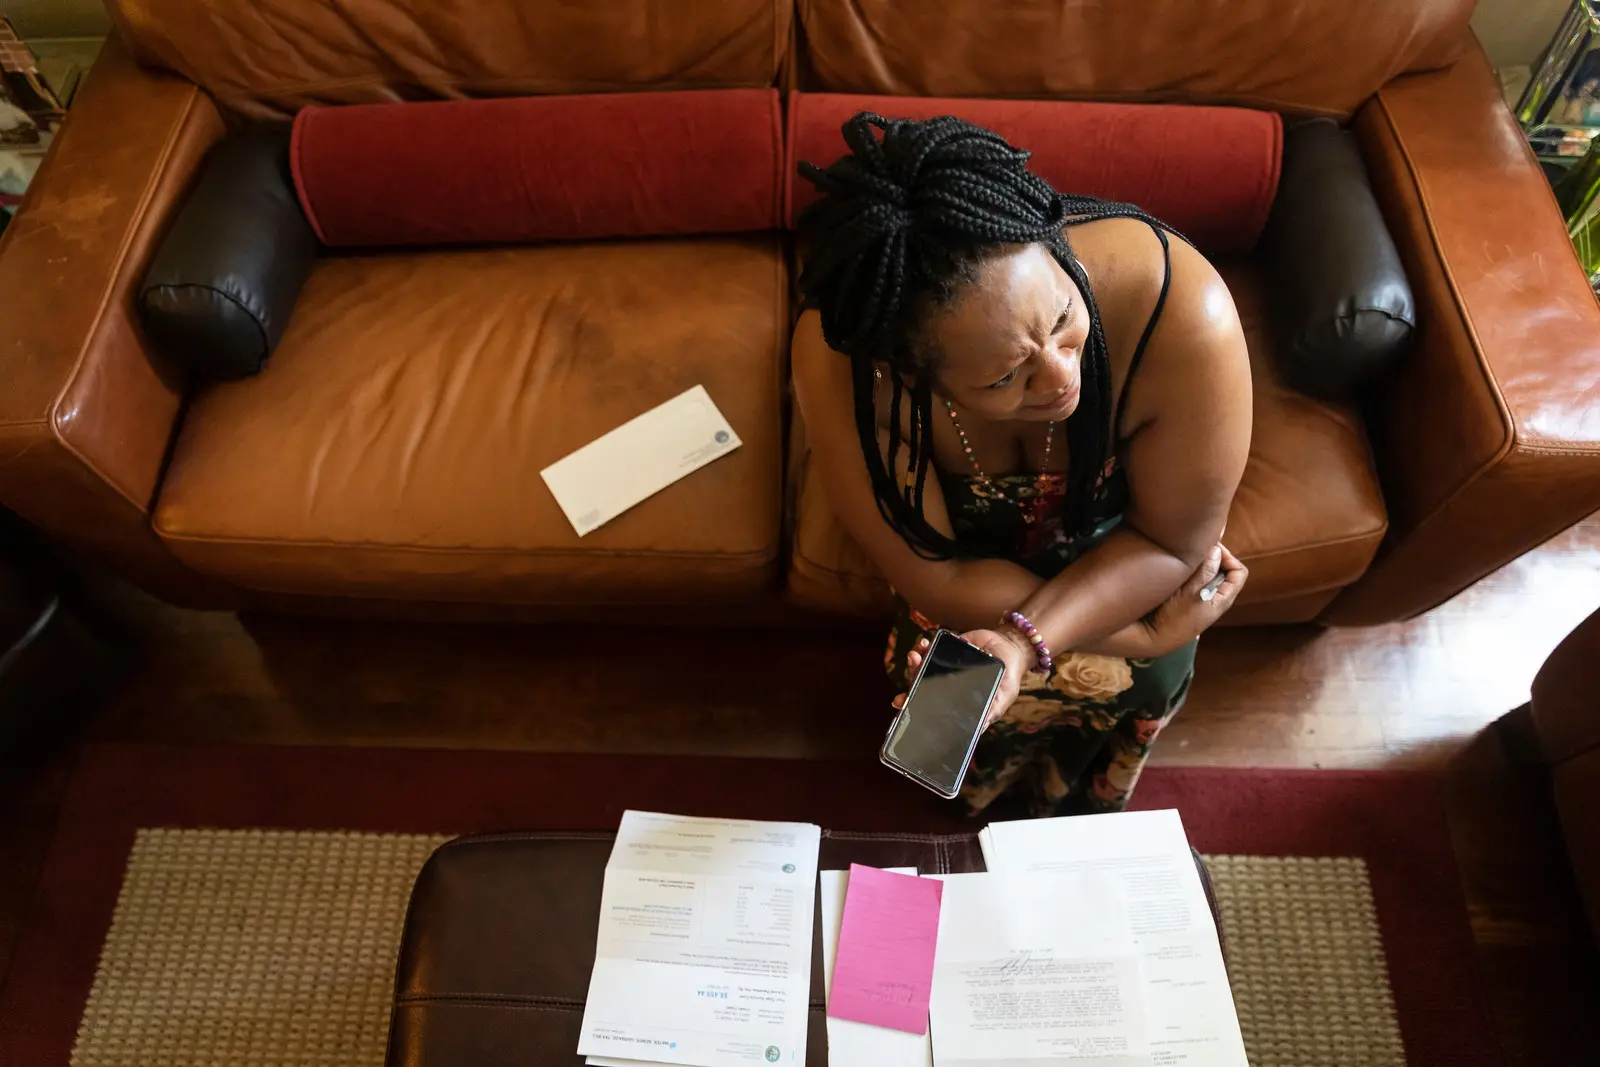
point(869, 835)
point(527, 835)
point(496, 1000)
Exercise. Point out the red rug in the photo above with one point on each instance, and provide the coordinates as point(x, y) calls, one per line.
point(1393, 821)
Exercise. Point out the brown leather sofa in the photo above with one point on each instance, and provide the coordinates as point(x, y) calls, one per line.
point(387, 460)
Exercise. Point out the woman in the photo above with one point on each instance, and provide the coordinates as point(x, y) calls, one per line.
point(1034, 414)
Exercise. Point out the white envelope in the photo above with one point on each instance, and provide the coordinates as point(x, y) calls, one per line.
point(638, 459)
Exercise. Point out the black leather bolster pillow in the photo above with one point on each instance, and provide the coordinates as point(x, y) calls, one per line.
point(1342, 307)
point(221, 287)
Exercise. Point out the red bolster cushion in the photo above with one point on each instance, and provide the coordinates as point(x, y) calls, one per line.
point(548, 168)
point(1208, 172)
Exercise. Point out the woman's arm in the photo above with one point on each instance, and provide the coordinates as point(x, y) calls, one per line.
point(1184, 615)
point(1174, 624)
point(1188, 425)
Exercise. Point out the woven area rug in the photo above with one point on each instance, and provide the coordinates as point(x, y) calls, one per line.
point(243, 906)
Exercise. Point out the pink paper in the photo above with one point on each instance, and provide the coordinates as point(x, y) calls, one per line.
point(883, 972)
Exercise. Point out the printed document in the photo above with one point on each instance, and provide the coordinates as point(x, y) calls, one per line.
point(638, 459)
point(1037, 970)
point(704, 949)
point(852, 1044)
point(1192, 1018)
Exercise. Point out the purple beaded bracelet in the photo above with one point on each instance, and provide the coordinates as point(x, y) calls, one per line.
point(1020, 622)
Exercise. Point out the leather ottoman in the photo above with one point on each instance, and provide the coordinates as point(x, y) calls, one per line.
point(499, 941)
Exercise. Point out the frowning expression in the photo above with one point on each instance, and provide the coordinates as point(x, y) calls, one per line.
point(1009, 345)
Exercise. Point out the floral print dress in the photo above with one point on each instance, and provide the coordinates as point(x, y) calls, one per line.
point(1076, 741)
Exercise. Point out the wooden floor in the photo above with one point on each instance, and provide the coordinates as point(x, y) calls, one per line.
point(1417, 694)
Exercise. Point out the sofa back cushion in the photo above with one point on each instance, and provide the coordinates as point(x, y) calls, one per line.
point(1311, 56)
point(266, 59)
point(1208, 172)
point(541, 168)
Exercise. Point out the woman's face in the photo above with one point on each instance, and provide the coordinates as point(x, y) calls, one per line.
point(1009, 345)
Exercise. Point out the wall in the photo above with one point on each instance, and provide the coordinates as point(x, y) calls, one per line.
point(56, 18)
point(1514, 32)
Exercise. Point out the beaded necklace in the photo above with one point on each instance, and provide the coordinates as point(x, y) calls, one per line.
point(966, 446)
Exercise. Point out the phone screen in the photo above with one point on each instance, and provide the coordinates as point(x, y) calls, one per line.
point(933, 738)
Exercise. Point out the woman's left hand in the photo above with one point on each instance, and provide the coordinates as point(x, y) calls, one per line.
point(1011, 649)
point(1185, 615)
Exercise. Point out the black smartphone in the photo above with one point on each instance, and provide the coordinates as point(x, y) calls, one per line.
point(932, 739)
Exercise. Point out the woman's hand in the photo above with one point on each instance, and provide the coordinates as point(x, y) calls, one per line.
point(1184, 616)
point(1009, 647)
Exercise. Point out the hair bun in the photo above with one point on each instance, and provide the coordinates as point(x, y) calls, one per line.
point(901, 217)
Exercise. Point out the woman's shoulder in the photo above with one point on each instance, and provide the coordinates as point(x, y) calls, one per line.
point(813, 363)
point(1128, 246)
point(1178, 295)
point(821, 374)
point(808, 334)
point(1126, 267)
point(1129, 270)
point(823, 377)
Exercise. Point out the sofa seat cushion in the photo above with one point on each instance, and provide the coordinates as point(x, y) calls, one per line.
point(1307, 518)
point(393, 447)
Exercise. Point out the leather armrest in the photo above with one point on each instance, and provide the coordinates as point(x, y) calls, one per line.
point(86, 410)
point(1487, 436)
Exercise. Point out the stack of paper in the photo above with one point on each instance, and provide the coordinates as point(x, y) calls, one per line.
point(1146, 855)
point(704, 949)
point(1089, 943)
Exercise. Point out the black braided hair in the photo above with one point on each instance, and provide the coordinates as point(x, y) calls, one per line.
point(904, 223)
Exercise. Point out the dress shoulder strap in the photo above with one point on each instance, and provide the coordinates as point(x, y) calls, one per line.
point(1149, 328)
